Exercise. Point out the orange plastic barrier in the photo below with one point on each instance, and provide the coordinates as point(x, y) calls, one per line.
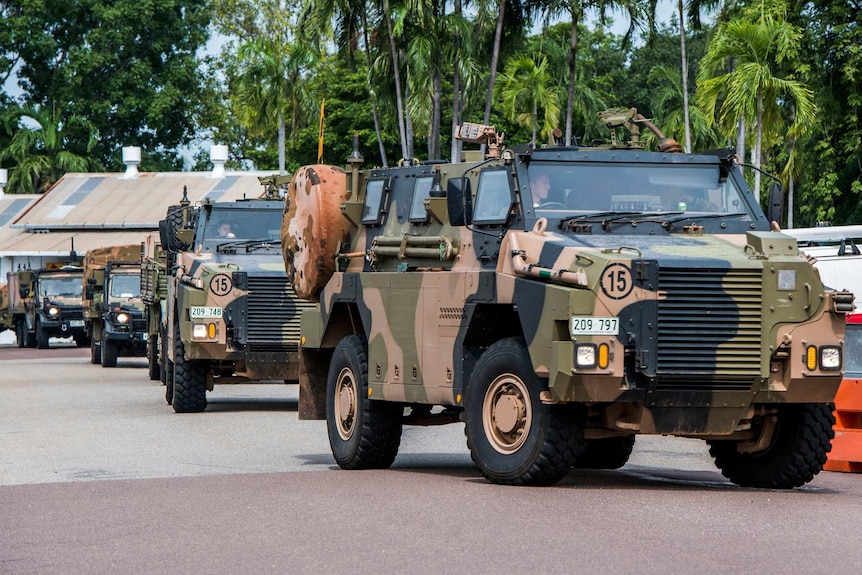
point(846, 454)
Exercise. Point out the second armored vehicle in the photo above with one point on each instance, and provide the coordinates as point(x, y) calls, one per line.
point(231, 315)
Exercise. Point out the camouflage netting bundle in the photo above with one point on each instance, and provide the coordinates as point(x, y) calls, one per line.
point(313, 227)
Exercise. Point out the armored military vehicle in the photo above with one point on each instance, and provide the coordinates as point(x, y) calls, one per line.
point(231, 314)
point(46, 303)
point(113, 309)
point(631, 292)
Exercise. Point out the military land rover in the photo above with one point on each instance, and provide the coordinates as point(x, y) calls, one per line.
point(560, 301)
point(113, 309)
point(231, 315)
point(46, 303)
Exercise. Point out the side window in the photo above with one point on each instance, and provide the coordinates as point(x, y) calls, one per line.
point(374, 196)
point(493, 198)
point(421, 189)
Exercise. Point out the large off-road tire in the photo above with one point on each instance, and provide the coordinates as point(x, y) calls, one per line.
point(606, 453)
point(800, 443)
point(95, 351)
point(189, 394)
point(42, 337)
point(82, 340)
point(313, 227)
point(513, 437)
point(174, 220)
point(110, 352)
point(21, 334)
point(153, 367)
point(363, 434)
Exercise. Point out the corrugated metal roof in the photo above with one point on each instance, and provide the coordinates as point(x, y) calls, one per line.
point(99, 210)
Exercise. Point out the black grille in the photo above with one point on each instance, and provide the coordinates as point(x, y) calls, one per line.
point(274, 314)
point(71, 313)
point(709, 328)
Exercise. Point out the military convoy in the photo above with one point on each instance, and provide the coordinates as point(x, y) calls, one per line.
point(113, 309)
point(230, 314)
point(633, 292)
point(559, 301)
point(46, 303)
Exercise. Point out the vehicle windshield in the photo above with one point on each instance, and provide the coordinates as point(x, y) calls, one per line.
point(560, 190)
point(61, 287)
point(125, 286)
point(227, 224)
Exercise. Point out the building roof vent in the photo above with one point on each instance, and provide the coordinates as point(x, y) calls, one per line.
point(218, 156)
point(131, 157)
point(4, 178)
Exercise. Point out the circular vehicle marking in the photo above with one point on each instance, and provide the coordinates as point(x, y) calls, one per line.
point(221, 284)
point(617, 281)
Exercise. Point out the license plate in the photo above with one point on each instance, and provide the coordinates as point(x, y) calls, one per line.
point(202, 312)
point(76, 323)
point(595, 325)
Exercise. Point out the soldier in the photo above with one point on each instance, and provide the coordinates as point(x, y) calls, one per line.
point(225, 231)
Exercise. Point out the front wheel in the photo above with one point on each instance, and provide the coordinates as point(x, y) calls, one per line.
point(513, 437)
point(189, 390)
point(363, 434)
point(42, 336)
point(800, 442)
point(110, 351)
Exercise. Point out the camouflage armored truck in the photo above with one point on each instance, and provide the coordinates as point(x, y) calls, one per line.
point(46, 303)
point(231, 315)
point(113, 310)
point(630, 292)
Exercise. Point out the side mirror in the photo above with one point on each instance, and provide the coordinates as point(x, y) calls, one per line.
point(91, 281)
point(775, 207)
point(459, 201)
point(24, 292)
point(88, 293)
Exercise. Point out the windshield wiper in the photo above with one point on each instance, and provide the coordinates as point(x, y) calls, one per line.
point(668, 224)
point(249, 245)
point(594, 217)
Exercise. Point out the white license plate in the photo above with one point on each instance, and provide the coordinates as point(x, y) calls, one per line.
point(595, 325)
point(201, 312)
point(76, 323)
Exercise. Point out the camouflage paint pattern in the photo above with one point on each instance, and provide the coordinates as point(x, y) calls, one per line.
point(715, 312)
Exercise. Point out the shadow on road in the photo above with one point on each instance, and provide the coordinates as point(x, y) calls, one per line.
point(251, 404)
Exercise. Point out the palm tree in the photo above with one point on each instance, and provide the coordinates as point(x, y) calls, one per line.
point(270, 86)
point(525, 87)
point(575, 9)
point(674, 115)
point(752, 91)
point(40, 147)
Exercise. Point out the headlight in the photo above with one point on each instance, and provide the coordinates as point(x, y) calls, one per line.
point(830, 358)
point(204, 331)
point(585, 355)
point(122, 318)
point(53, 312)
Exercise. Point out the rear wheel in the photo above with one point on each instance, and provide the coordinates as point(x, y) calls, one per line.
point(513, 437)
point(153, 358)
point(110, 351)
point(21, 334)
point(795, 454)
point(363, 434)
point(606, 453)
point(189, 394)
point(95, 351)
point(42, 336)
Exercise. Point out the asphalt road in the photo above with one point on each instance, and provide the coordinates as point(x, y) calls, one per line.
point(98, 475)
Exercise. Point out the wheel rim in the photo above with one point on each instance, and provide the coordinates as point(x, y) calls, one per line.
point(346, 397)
point(507, 413)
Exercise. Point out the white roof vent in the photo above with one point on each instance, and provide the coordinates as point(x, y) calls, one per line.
point(218, 156)
point(4, 178)
point(131, 157)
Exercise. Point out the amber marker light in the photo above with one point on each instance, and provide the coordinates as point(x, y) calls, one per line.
point(604, 356)
point(811, 357)
point(212, 331)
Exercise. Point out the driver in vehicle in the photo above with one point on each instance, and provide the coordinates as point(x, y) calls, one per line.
point(225, 231)
point(540, 185)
